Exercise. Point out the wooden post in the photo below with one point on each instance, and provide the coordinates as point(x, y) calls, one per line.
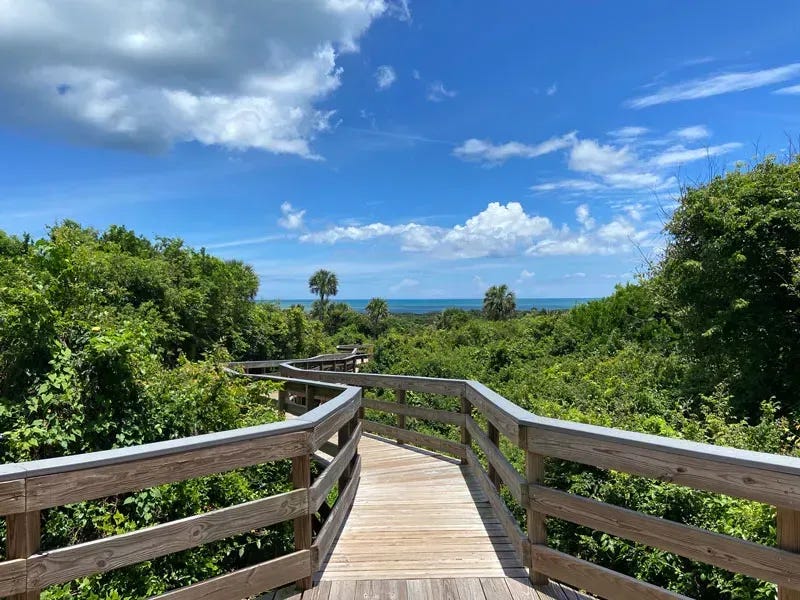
point(788, 539)
point(23, 538)
point(343, 437)
point(400, 396)
point(301, 478)
point(537, 524)
point(466, 438)
point(494, 437)
point(311, 402)
point(283, 395)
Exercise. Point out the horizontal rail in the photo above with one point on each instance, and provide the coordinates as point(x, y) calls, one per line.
point(418, 412)
point(514, 481)
point(322, 486)
point(414, 437)
point(327, 535)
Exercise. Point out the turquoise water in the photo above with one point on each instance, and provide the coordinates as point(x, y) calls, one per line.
point(421, 306)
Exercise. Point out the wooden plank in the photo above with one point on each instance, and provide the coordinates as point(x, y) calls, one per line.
point(322, 486)
point(496, 588)
point(769, 478)
point(400, 396)
point(57, 489)
point(248, 581)
point(493, 435)
point(99, 556)
point(594, 579)
point(23, 536)
point(12, 497)
point(332, 416)
point(503, 467)
point(789, 540)
point(507, 520)
point(414, 437)
point(733, 554)
point(466, 439)
point(13, 578)
point(504, 415)
point(536, 521)
point(418, 412)
point(301, 480)
point(333, 525)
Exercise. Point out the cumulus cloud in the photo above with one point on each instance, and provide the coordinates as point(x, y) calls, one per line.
point(437, 92)
point(695, 132)
point(385, 77)
point(584, 217)
point(238, 74)
point(715, 85)
point(485, 151)
point(592, 157)
point(292, 218)
point(615, 237)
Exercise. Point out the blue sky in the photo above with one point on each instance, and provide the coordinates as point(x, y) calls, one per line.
point(418, 149)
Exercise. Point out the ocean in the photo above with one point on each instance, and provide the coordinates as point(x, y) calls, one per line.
point(430, 305)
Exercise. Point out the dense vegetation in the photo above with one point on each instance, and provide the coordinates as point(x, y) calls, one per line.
point(108, 339)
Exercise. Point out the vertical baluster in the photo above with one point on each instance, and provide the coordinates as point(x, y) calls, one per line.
point(788, 539)
point(494, 437)
point(301, 478)
point(23, 537)
point(466, 438)
point(537, 524)
point(400, 396)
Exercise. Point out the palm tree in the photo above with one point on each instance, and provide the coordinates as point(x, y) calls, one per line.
point(377, 312)
point(324, 284)
point(499, 303)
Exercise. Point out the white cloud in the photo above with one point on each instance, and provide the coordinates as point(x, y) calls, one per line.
point(592, 157)
point(552, 90)
point(405, 284)
point(615, 237)
point(574, 185)
point(695, 132)
point(292, 218)
point(385, 77)
point(525, 274)
point(792, 89)
point(679, 155)
point(717, 84)
point(575, 276)
point(485, 151)
point(437, 92)
point(238, 74)
point(628, 133)
point(415, 74)
point(499, 230)
point(584, 217)
point(400, 10)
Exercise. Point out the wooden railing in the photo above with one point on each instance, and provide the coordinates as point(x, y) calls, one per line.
point(766, 478)
point(28, 488)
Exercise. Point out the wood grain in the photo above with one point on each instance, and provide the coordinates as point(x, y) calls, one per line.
point(248, 581)
point(416, 438)
point(789, 540)
point(12, 497)
point(47, 491)
point(733, 554)
point(594, 579)
point(418, 412)
point(23, 536)
point(301, 480)
point(333, 525)
point(400, 399)
point(536, 520)
point(503, 468)
point(117, 551)
point(324, 483)
point(13, 578)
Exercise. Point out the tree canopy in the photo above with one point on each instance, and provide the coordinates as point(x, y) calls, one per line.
point(499, 303)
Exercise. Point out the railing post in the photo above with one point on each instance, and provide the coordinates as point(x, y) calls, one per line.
point(283, 396)
point(311, 402)
point(788, 539)
point(400, 396)
point(342, 438)
point(537, 524)
point(466, 438)
point(22, 540)
point(301, 478)
point(494, 437)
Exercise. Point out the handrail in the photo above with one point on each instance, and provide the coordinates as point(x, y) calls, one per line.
point(767, 478)
point(27, 488)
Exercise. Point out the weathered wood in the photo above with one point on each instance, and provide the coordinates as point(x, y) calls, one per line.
point(733, 554)
point(74, 486)
point(333, 525)
point(416, 438)
point(322, 486)
point(12, 497)
point(507, 520)
point(23, 536)
point(506, 416)
point(466, 438)
point(248, 581)
point(493, 435)
point(536, 521)
point(344, 436)
point(13, 578)
point(789, 540)
point(400, 396)
point(301, 480)
point(699, 466)
point(498, 464)
point(99, 556)
point(594, 579)
point(418, 412)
